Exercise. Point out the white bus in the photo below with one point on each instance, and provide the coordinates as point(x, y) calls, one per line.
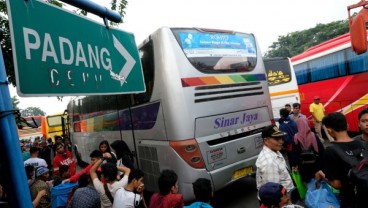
point(282, 83)
point(206, 102)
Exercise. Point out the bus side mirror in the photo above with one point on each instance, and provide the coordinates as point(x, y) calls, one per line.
point(358, 29)
point(358, 32)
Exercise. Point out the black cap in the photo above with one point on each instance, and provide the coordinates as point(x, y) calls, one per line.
point(272, 131)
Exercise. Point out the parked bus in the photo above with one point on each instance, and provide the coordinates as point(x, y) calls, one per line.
point(30, 128)
point(53, 125)
point(205, 104)
point(334, 72)
point(34, 120)
point(281, 83)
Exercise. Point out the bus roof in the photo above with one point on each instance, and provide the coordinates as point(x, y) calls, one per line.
point(333, 43)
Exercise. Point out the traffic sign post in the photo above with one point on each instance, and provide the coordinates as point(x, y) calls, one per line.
point(57, 52)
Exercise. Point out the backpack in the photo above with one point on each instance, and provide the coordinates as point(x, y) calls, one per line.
point(308, 156)
point(288, 126)
point(358, 161)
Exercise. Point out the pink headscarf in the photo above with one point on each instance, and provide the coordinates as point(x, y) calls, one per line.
point(305, 136)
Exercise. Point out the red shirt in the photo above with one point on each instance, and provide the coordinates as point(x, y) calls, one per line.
point(64, 159)
point(167, 201)
point(74, 178)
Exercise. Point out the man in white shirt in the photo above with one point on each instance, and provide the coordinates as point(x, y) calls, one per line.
point(131, 195)
point(271, 166)
point(34, 160)
point(109, 173)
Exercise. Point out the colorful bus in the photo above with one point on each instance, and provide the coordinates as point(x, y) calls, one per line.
point(334, 72)
point(205, 105)
point(281, 83)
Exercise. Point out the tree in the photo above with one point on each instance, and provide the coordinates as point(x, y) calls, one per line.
point(15, 102)
point(297, 42)
point(5, 41)
point(32, 111)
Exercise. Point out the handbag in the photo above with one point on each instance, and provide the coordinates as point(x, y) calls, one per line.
point(320, 197)
point(302, 188)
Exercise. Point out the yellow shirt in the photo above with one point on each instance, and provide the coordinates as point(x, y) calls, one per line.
point(318, 110)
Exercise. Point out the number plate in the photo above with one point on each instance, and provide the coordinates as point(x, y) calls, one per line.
point(242, 172)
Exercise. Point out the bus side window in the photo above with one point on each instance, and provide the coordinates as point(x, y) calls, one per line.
point(301, 72)
point(357, 63)
point(147, 60)
point(328, 67)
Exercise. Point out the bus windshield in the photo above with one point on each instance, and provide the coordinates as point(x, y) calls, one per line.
point(218, 52)
point(37, 119)
point(278, 71)
point(53, 121)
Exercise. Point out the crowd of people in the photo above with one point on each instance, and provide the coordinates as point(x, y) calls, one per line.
point(111, 180)
point(294, 147)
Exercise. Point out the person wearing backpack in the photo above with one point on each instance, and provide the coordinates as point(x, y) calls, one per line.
point(338, 160)
point(307, 151)
point(288, 126)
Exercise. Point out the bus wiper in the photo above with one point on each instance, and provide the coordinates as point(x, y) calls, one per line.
point(24, 121)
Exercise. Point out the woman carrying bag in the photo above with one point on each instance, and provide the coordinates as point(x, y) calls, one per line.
point(307, 152)
point(307, 156)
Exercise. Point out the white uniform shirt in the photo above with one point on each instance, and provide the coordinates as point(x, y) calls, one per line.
point(126, 199)
point(35, 162)
point(105, 201)
point(271, 167)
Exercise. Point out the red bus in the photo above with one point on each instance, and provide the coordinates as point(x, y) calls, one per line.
point(334, 72)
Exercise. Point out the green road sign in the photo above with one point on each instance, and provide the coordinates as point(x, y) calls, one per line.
point(57, 52)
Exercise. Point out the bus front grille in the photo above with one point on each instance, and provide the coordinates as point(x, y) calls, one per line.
point(227, 91)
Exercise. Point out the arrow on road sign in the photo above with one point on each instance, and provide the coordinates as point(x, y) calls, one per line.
point(129, 64)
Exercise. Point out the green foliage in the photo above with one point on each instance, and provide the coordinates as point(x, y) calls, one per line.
point(297, 42)
point(15, 102)
point(32, 111)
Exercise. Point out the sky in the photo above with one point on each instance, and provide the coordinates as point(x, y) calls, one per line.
point(266, 19)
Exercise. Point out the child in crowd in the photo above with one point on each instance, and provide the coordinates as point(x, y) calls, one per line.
point(104, 148)
point(274, 195)
point(202, 192)
point(168, 196)
point(128, 196)
point(108, 185)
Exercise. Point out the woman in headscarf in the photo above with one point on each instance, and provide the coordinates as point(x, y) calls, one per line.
point(307, 151)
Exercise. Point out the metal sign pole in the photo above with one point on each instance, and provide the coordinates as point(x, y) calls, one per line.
point(12, 168)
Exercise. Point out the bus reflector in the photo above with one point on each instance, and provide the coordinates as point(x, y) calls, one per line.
point(77, 127)
point(188, 150)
